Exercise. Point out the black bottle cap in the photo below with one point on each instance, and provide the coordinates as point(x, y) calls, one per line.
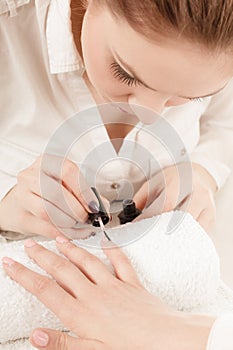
point(129, 212)
point(93, 217)
point(129, 207)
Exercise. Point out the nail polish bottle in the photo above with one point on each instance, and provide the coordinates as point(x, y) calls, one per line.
point(93, 217)
point(129, 212)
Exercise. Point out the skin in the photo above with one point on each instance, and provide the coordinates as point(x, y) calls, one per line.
point(114, 312)
point(207, 71)
point(151, 61)
point(97, 293)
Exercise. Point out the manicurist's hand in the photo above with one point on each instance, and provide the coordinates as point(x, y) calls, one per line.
point(106, 312)
point(51, 195)
point(183, 186)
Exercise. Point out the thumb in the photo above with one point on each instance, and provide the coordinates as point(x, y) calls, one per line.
point(50, 339)
point(160, 205)
point(141, 197)
point(149, 191)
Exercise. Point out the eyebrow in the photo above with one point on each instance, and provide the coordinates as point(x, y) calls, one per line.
point(131, 72)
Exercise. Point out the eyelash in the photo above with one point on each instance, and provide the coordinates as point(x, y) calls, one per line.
point(125, 78)
point(199, 99)
point(121, 75)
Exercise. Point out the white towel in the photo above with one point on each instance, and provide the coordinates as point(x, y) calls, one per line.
point(174, 258)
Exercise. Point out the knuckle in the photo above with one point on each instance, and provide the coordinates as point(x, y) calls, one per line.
point(41, 284)
point(59, 265)
point(42, 212)
point(87, 261)
point(73, 250)
point(21, 175)
point(62, 341)
point(122, 260)
point(44, 215)
point(19, 270)
point(68, 167)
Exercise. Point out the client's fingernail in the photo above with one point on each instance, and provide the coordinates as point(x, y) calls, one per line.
point(40, 338)
point(62, 239)
point(94, 207)
point(8, 261)
point(29, 243)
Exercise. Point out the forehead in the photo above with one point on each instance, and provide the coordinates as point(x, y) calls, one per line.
point(169, 62)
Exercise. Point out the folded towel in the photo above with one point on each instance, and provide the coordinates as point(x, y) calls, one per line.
point(173, 256)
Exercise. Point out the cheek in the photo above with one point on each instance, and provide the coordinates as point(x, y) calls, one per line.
point(176, 101)
point(97, 61)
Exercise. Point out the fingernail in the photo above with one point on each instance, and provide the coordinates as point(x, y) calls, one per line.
point(61, 239)
point(8, 261)
point(40, 338)
point(94, 207)
point(92, 234)
point(29, 243)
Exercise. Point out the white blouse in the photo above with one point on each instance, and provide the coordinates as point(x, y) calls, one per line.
point(221, 335)
point(42, 86)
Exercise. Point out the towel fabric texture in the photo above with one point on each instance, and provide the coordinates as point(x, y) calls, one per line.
point(173, 256)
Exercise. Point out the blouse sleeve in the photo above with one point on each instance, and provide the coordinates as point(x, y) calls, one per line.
point(221, 334)
point(214, 150)
point(13, 159)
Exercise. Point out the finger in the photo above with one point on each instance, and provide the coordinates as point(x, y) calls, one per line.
point(149, 191)
point(33, 225)
point(69, 174)
point(106, 204)
point(95, 270)
point(166, 201)
point(141, 197)
point(78, 233)
point(55, 193)
point(191, 205)
point(207, 220)
point(50, 339)
point(47, 211)
point(64, 272)
point(45, 289)
point(123, 269)
point(160, 205)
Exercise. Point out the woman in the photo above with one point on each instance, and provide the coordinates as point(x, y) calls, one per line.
point(108, 312)
point(181, 52)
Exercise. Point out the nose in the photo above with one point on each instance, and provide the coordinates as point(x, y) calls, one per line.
point(148, 108)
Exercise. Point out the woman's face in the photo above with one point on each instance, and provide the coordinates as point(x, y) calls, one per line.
point(170, 73)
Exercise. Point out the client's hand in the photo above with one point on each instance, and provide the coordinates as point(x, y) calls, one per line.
point(105, 311)
point(187, 187)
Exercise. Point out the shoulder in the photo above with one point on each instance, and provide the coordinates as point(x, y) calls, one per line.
point(11, 8)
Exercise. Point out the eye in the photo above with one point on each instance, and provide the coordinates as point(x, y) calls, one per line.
point(121, 75)
point(198, 99)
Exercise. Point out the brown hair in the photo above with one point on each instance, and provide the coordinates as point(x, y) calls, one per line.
point(208, 22)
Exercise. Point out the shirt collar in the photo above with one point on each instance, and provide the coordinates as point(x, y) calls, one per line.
point(62, 52)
